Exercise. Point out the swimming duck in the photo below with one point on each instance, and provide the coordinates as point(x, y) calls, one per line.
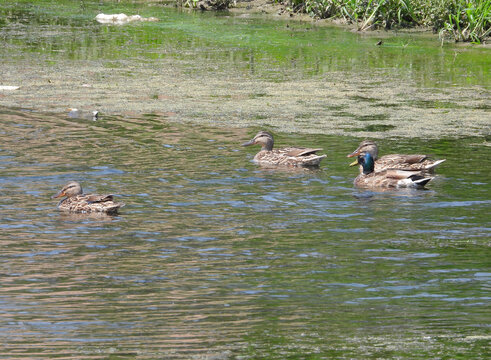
point(76, 201)
point(394, 161)
point(290, 156)
point(388, 178)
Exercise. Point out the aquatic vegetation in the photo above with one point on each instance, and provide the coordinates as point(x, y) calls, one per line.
point(365, 14)
point(464, 20)
point(206, 4)
point(470, 21)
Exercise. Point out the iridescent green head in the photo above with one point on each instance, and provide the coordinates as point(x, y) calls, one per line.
point(367, 162)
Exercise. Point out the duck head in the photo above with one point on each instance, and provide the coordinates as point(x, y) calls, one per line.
point(71, 189)
point(367, 163)
point(263, 138)
point(366, 146)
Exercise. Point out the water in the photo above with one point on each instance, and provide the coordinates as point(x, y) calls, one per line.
point(214, 257)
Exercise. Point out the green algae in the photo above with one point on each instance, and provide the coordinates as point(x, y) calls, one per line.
point(240, 70)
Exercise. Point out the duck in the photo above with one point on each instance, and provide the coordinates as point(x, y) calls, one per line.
point(388, 178)
point(394, 161)
point(76, 201)
point(289, 156)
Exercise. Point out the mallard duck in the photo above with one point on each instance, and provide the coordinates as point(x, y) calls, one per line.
point(388, 178)
point(76, 201)
point(394, 161)
point(290, 156)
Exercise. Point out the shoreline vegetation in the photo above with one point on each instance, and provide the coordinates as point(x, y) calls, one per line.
point(460, 20)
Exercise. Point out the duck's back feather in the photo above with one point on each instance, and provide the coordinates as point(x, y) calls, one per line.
point(294, 151)
point(406, 162)
point(289, 157)
point(392, 178)
point(90, 203)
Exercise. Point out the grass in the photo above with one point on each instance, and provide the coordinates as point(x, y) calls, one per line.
point(463, 20)
point(470, 21)
point(213, 4)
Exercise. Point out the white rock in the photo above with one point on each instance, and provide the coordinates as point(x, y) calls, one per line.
point(120, 19)
point(9, 88)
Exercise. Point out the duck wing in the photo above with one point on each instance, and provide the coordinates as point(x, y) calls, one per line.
point(96, 198)
point(90, 203)
point(399, 178)
point(406, 162)
point(410, 159)
point(289, 157)
point(396, 159)
point(299, 151)
point(103, 203)
point(398, 174)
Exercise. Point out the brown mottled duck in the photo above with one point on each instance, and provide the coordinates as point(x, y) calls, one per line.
point(289, 156)
point(78, 202)
point(394, 161)
point(388, 178)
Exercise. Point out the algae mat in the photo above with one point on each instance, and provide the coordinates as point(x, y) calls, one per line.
point(241, 70)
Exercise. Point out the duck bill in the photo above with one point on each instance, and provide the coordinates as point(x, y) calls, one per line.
point(250, 142)
point(354, 163)
point(60, 194)
point(354, 153)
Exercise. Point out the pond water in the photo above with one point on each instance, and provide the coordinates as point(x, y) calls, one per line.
point(214, 257)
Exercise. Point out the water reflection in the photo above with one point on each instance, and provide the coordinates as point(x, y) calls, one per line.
point(214, 256)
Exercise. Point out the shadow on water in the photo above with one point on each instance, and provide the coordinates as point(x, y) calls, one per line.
point(213, 256)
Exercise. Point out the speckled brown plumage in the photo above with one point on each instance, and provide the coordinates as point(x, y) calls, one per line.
point(289, 156)
point(78, 202)
point(395, 161)
point(389, 178)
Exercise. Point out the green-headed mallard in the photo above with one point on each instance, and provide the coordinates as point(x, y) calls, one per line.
point(394, 161)
point(290, 156)
point(78, 202)
point(389, 178)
